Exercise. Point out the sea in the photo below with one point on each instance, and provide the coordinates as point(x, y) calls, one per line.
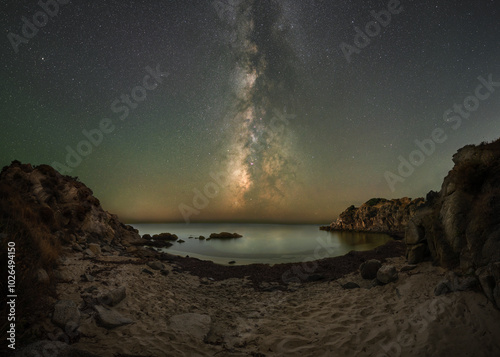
point(262, 243)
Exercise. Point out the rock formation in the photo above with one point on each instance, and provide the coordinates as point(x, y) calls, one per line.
point(62, 204)
point(378, 215)
point(460, 226)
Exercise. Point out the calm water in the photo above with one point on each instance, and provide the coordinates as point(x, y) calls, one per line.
point(263, 243)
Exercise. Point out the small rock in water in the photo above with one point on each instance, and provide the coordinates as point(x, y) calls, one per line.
point(180, 241)
point(232, 262)
point(201, 237)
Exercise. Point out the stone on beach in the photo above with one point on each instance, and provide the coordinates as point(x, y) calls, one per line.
point(387, 274)
point(370, 268)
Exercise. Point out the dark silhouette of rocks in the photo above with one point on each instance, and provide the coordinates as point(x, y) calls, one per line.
point(225, 235)
point(378, 215)
point(460, 228)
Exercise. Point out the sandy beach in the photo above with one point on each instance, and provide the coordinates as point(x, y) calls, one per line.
point(180, 314)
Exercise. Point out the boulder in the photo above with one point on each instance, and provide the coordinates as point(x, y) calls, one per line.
point(110, 319)
point(369, 269)
point(196, 325)
point(113, 297)
point(66, 314)
point(387, 274)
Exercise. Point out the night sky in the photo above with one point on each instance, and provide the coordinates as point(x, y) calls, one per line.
point(248, 110)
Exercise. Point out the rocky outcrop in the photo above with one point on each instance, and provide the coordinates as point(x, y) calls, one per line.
point(65, 206)
point(460, 227)
point(225, 235)
point(378, 215)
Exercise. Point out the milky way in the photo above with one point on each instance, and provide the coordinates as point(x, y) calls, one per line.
point(260, 157)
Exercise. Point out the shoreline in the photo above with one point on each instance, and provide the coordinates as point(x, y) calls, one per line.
point(327, 269)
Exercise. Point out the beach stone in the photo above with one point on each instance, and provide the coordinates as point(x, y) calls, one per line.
point(232, 262)
point(369, 269)
point(113, 297)
point(196, 325)
point(201, 238)
point(66, 314)
point(95, 248)
point(110, 319)
point(387, 274)
point(147, 271)
point(351, 285)
point(156, 265)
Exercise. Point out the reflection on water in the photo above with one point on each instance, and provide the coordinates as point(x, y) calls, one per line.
point(263, 243)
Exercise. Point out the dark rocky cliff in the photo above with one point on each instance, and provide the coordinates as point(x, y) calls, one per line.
point(460, 227)
point(378, 215)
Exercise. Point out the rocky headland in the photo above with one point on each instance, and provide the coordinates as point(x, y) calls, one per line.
point(378, 215)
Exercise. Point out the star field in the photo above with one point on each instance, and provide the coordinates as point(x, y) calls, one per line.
point(250, 111)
